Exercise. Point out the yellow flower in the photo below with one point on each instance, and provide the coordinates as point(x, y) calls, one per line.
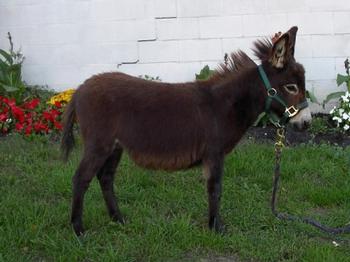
point(63, 97)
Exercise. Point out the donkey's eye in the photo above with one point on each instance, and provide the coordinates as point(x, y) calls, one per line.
point(291, 88)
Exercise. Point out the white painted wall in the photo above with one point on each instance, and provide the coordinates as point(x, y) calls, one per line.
point(66, 41)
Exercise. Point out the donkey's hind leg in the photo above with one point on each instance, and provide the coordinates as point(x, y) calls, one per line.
point(213, 169)
point(91, 163)
point(106, 179)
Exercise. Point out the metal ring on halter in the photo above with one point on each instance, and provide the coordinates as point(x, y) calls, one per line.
point(272, 92)
point(292, 111)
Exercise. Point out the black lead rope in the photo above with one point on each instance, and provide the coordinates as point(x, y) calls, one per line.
point(285, 216)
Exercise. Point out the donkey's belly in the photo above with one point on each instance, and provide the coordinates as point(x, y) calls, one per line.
point(165, 161)
point(171, 143)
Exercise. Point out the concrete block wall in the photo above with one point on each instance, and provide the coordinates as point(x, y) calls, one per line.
point(66, 41)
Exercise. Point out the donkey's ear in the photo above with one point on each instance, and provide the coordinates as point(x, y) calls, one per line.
point(292, 39)
point(283, 48)
point(280, 52)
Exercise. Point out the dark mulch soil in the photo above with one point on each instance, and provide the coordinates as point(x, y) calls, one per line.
point(293, 137)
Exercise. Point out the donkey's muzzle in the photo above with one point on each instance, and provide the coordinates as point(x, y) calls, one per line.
point(302, 120)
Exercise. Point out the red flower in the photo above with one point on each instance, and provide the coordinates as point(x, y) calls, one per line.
point(3, 117)
point(45, 128)
point(18, 113)
point(29, 118)
point(55, 113)
point(58, 104)
point(10, 102)
point(19, 126)
point(58, 125)
point(39, 126)
point(4, 109)
point(47, 116)
point(28, 130)
point(32, 104)
point(5, 100)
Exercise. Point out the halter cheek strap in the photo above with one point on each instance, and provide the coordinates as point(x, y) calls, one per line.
point(272, 95)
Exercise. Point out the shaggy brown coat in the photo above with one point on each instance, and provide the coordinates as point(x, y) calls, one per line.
point(173, 126)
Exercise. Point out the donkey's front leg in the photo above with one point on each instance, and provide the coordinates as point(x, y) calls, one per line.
point(213, 169)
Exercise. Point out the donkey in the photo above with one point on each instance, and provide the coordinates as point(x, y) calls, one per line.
point(181, 125)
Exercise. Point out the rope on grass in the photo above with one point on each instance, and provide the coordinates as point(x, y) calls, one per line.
point(285, 216)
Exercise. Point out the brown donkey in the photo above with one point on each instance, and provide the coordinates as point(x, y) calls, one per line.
point(177, 126)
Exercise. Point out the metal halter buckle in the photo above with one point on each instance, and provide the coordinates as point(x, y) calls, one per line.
point(271, 92)
point(292, 111)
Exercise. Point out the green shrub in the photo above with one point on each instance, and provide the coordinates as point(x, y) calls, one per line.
point(341, 79)
point(11, 84)
point(345, 78)
point(205, 73)
point(341, 114)
point(320, 125)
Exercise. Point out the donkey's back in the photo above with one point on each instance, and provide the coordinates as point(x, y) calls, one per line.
point(160, 125)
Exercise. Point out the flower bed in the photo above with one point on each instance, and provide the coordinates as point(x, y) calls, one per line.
point(30, 117)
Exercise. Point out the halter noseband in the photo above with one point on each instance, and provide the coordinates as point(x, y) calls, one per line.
point(272, 95)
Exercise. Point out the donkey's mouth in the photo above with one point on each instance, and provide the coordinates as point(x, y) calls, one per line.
point(302, 120)
point(300, 126)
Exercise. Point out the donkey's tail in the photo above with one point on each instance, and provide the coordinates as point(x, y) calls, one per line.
point(68, 141)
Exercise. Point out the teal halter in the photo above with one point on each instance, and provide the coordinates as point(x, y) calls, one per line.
point(272, 95)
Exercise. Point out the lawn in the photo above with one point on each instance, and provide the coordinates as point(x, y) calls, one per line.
point(166, 212)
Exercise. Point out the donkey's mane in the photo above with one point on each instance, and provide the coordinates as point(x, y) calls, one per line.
point(239, 61)
point(262, 49)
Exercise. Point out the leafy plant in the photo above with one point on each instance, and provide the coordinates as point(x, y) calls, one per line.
point(341, 114)
point(345, 78)
point(11, 83)
point(263, 120)
point(38, 91)
point(341, 79)
point(320, 125)
point(311, 96)
point(205, 73)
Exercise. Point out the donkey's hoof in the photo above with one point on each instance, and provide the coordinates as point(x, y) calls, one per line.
point(118, 219)
point(216, 225)
point(78, 229)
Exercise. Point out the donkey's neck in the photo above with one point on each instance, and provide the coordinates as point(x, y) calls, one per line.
point(240, 99)
point(253, 96)
point(246, 95)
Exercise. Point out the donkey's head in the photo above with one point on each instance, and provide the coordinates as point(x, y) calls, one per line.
point(284, 80)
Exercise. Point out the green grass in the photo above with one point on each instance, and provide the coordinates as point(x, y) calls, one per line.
point(166, 212)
